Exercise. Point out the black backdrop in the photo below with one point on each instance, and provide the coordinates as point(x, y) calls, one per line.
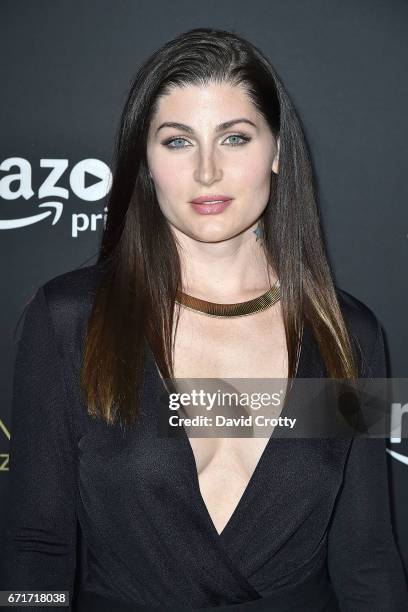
point(65, 70)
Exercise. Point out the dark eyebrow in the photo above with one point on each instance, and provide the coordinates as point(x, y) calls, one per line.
point(220, 128)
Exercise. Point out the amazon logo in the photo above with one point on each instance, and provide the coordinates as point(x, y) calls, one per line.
point(398, 456)
point(89, 180)
point(397, 414)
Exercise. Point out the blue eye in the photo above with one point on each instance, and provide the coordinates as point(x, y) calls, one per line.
point(244, 140)
point(169, 142)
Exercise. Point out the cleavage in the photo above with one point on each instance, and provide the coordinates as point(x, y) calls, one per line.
point(225, 467)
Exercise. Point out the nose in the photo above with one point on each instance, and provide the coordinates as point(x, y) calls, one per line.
point(208, 169)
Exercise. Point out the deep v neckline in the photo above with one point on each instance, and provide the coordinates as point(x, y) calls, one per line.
point(304, 368)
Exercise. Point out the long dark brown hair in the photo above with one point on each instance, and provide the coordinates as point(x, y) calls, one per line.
point(135, 299)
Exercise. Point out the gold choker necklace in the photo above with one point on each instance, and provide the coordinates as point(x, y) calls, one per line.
point(241, 309)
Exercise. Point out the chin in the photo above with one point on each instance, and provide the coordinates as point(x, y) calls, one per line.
point(214, 235)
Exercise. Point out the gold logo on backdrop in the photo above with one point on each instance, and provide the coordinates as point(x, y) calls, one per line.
point(4, 457)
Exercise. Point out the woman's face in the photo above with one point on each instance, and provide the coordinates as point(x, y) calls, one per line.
point(204, 158)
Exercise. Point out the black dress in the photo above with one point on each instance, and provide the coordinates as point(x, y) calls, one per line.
point(119, 521)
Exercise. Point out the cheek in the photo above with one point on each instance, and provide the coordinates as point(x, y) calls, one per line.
point(253, 184)
point(254, 171)
point(168, 173)
point(169, 187)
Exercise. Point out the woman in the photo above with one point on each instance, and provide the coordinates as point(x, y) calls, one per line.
point(211, 266)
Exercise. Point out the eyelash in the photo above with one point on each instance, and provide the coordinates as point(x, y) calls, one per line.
point(242, 136)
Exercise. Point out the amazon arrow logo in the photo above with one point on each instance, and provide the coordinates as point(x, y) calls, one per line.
point(398, 410)
point(90, 180)
point(398, 456)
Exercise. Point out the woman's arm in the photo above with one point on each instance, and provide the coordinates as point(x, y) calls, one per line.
point(364, 563)
point(40, 535)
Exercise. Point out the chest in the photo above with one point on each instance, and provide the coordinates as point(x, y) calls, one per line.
point(251, 347)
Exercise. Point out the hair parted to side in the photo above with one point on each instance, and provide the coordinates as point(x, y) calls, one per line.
point(134, 301)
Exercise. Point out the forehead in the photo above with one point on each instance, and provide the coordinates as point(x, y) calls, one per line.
point(199, 103)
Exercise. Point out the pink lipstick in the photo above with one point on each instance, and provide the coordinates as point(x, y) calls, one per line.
point(211, 204)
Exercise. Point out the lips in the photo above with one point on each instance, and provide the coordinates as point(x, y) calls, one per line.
point(210, 207)
point(211, 199)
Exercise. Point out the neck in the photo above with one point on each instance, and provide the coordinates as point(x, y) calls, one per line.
point(232, 270)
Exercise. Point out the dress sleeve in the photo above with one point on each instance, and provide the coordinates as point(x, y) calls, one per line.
point(363, 561)
point(40, 532)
